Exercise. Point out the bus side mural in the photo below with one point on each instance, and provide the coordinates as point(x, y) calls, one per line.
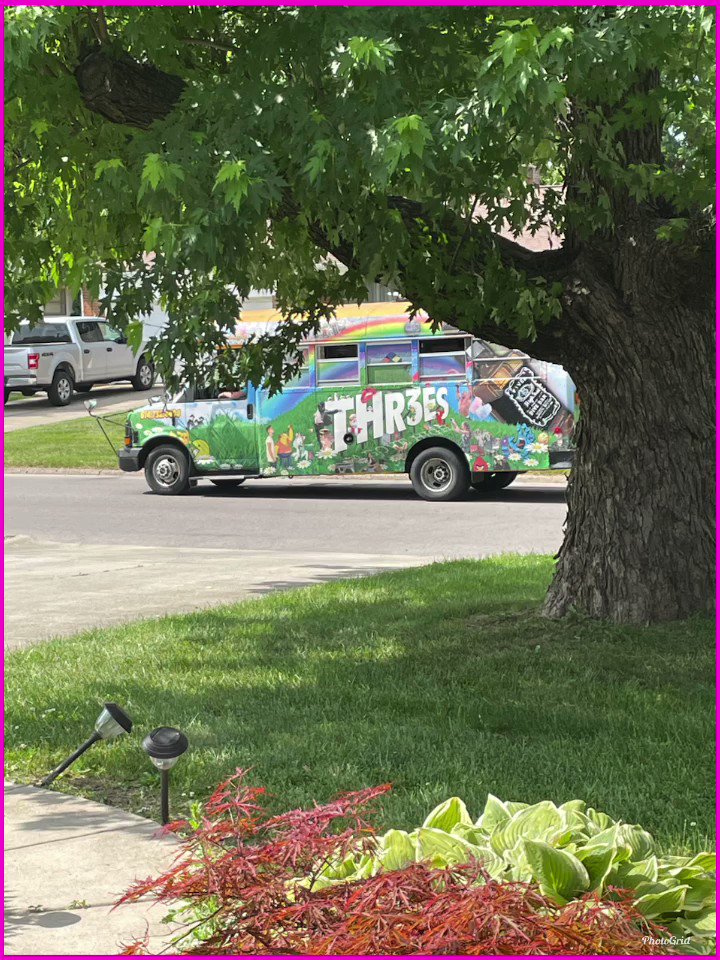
point(370, 388)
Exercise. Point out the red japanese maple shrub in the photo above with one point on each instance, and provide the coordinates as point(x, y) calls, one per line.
point(248, 885)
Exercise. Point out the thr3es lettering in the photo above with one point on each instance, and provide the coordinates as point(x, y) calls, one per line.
point(375, 413)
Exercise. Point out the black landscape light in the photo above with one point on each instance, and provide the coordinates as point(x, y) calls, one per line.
point(164, 745)
point(112, 722)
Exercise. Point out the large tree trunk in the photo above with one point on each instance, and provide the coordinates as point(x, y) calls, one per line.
point(640, 536)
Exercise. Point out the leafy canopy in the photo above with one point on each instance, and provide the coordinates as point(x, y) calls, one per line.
point(397, 139)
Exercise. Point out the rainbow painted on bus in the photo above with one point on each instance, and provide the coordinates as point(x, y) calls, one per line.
point(377, 389)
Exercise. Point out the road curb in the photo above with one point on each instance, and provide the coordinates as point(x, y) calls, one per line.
point(66, 471)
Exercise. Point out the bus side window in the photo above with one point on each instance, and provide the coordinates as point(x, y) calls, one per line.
point(389, 362)
point(303, 377)
point(442, 358)
point(338, 363)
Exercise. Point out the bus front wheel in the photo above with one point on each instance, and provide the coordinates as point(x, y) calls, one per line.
point(167, 470)
point(490, 482)
point(439, 474)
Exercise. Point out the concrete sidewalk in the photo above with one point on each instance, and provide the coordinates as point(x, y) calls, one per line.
point(67, 861)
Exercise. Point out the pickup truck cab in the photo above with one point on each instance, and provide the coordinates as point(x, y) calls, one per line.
point(62, 354)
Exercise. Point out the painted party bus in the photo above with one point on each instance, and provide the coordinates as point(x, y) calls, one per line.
point(377, 392)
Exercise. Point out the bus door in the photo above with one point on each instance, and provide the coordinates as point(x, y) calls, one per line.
point(223, 430)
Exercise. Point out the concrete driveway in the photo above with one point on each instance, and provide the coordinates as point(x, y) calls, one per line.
point(37, 411)
point(86, 551)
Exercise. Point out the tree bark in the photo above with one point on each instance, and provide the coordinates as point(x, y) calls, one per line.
point(639, 540)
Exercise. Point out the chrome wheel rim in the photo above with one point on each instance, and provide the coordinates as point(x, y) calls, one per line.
point(64, 389)
point(436, 475)
point(145, 375)
point(166, 471)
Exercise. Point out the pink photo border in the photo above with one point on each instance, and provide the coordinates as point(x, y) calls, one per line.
point(440, 3)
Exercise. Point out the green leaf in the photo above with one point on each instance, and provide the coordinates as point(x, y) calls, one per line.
point(495, 812)
point(598, 863)
point(656, 904)
point(640, 842)
point(701, 893)
point(233, 182)
point(538, 822)
point(102, 166)
point(151, 234)
point(413, 133)
point(442, 849)
point(134, 333)
point(704, 860)
point(448, 814)
point(152, 170)
point(704, 925)
point(398, 850)
point(559, 874)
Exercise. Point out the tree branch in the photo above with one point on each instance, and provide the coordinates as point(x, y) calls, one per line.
point(125, 91)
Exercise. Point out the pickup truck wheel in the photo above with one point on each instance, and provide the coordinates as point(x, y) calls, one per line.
point(144, 375)
point(60, 390)
point(83, 387)
point(167, 470)
point(439, 474)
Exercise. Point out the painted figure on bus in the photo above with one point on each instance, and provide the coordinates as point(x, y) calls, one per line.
point(270, 448)
point(285, 448)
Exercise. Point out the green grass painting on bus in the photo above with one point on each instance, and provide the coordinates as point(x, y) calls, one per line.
point(356, 430)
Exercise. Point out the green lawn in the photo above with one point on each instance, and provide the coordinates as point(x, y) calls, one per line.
point(72, 443)
point(442, 680)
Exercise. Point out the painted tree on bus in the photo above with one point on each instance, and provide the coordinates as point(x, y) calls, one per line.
point(242, 146)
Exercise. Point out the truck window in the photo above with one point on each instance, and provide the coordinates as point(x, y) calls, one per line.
point(111, 334)
point(42, 333)
point(389, 362)
point(89, 331)
point(442, 358)
point(338, 363)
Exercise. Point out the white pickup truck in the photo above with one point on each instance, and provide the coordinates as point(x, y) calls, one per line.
point(62, 354)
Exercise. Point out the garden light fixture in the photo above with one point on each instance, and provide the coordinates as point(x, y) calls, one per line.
point(112, 722)
point(164, 745)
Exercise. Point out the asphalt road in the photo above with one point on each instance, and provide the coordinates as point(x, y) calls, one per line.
point(360, 516)
point(84, 551)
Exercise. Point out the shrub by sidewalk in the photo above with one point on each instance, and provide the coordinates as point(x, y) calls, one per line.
point(521, 880)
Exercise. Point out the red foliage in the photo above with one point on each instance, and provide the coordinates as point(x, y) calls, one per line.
point(241, 868)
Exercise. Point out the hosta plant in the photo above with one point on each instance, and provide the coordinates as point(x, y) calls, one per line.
point(246, 883)
point(569, 851)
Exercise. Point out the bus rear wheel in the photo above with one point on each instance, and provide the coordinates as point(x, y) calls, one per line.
point(439, 474)
point(167, 470)
point(490, 482)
